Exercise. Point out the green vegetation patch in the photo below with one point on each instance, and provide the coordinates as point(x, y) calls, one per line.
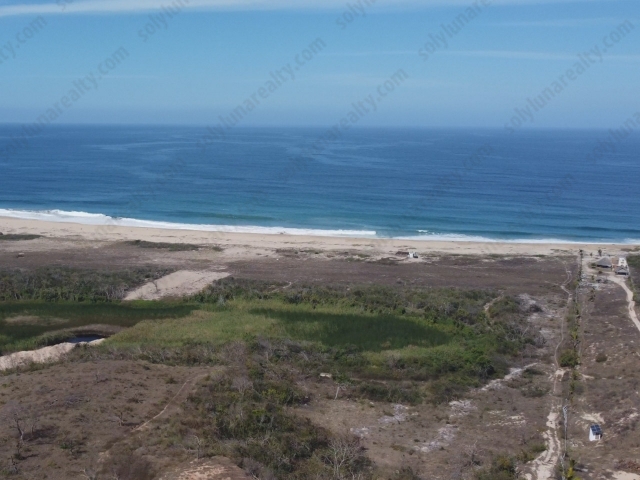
point(15, 237)
point(377, 340)
point(172, 247)
point(634, 267)
point(245, 416)
point(54, 284)
point(336, 328)
point(502, 468)
point(31, 325)
point(634, 261)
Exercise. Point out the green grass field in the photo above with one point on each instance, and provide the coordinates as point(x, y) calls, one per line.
point(30, 325)
point(371, 333)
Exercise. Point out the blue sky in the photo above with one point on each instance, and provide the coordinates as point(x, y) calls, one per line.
point(213, 55)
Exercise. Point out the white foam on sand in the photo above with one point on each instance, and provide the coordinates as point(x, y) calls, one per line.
point(105, 221)
point(425, 235)
point(84, 218)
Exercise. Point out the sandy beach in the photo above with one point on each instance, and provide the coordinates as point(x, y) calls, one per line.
point(242, 244)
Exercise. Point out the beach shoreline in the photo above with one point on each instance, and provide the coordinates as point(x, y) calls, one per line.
point(112, 233)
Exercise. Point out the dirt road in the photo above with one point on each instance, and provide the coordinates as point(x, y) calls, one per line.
point(632, 305)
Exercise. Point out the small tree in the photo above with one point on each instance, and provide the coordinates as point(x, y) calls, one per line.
point(345, 456)
point(195, 445)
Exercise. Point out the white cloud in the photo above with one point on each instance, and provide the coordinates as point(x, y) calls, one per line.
point(522, 55)
point(561, 23)
point(142, 6)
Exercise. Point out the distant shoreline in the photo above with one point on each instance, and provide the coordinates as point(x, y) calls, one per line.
point(106, 223)
point(247, 241)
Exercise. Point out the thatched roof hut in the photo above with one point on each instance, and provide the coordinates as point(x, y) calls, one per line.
point(604, 262)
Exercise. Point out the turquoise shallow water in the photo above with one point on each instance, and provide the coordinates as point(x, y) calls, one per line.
point(432, 184)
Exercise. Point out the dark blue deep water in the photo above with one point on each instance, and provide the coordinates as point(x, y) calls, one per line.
point(530, 185)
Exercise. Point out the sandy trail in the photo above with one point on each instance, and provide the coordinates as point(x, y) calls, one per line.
point(176, 401)
point(42, 355)
point(625, 476)
point(178, 284)
point(632, 305)
point(513, 373)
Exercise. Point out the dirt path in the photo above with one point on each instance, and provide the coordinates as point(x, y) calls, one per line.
point(491, 303)
point(175, 402)
point(632, 304)
point(543, 467)
point(171, 407)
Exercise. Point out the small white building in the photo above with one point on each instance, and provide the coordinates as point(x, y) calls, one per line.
point(595, 433)
point(623, 267)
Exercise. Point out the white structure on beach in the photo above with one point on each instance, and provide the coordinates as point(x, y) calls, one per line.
point(595, 433)
point(623, 267)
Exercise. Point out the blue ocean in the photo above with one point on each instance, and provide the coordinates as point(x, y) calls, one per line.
point(561, 185)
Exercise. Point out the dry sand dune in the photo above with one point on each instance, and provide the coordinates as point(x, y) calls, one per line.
point(42, 355)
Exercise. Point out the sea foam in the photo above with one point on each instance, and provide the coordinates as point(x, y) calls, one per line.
point(85, 218)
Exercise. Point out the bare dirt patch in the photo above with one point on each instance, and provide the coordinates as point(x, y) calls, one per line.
point(74, 412)
point(360, 265)
point(217, 468)
point(178, 284)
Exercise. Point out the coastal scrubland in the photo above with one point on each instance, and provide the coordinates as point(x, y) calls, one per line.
point(46, 305)
point(315, 364)
point(383, 344)
point(634, 264)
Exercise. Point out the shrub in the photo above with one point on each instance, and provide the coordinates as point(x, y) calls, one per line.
point(55, 284)
point(502, 468)
point(569, 359)
point(18, 237)
point(446, 390)
point(533, 391)
point(252, 425)
point(601, 357)
point(381, 392)
point(406, 473)
point(505, 307)
point(172, 247)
